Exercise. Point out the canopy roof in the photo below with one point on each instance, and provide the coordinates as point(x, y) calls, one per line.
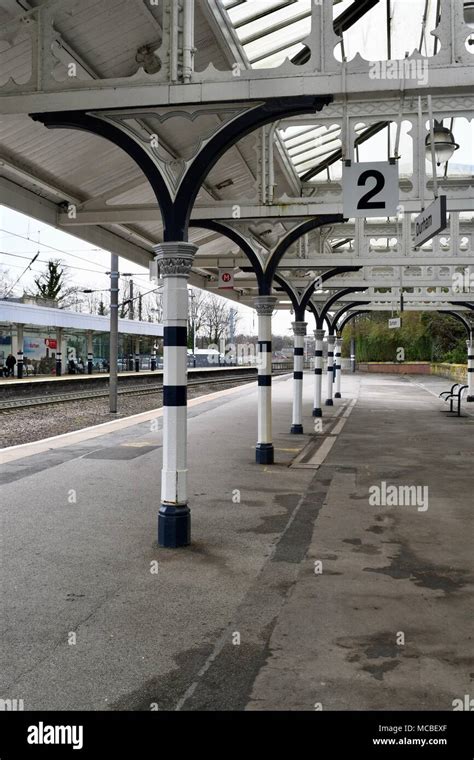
point(122, 54)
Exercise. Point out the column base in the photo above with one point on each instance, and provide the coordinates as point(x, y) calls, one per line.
point(317, 412)
point(470, 398)
point(174, 526)
point(264, 453)
point(329, 402)
point(337, 395)
point(297, 429)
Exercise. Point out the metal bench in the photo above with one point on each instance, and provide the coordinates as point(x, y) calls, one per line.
point(453, 395)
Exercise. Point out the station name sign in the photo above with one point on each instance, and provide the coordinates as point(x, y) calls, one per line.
point(431, 221)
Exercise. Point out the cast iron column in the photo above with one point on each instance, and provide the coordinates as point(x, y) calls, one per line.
point(299, 330)
point(90, 353)
point(318, 372)
point(174, 520)
point(59, 349)
point(19, 352)
point(470, 370)
point(338, 368)
point(331, 341)
point(137, 354)
point(264, 306)
point(353, 355)
point(113, 344)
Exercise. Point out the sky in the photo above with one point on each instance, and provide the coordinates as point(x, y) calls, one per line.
point(21, 238)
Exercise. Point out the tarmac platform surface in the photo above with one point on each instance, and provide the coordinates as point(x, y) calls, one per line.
point(296, 593)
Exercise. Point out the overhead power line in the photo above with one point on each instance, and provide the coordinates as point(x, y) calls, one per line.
point(24, 272)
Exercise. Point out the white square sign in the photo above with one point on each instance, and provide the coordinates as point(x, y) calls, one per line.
point(395, 323)
point(226, 279)
point(370, 189)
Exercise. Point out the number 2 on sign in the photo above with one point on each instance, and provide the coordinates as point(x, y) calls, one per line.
point(365, 202)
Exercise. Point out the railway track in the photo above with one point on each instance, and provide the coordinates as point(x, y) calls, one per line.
point(12, 405)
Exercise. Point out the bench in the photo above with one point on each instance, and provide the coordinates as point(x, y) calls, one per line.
point(453, 394)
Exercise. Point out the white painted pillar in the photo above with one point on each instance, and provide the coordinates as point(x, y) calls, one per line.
point(338, 367)
point(90, 352)
point(59, 351)
point(299, 331)
point(137, 353)
point(174, 521)
point(318, 372)
point(264, 306)
point(19, 351)
point(470, 369)
point(329, 376)
point(14, 346)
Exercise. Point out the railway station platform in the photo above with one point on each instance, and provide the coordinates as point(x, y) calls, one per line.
point(12, 388)
point(309, 584)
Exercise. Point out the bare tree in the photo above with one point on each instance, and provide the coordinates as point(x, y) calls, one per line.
point(152, 307)
point(5, 282)
point(95, 303)
point(214, 318)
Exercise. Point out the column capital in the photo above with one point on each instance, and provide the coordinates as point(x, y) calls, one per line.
point(319, 334)
point(264, 305)
point(331, 339)
point(338, 342)
point(299, 328)
point(175, 259)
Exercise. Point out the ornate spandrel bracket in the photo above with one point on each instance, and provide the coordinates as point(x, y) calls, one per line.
point(176, 206)
point(143, 126)
point(35, 30)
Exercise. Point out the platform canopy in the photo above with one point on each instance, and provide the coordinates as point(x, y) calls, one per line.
point(231, 122)
point(39, 316)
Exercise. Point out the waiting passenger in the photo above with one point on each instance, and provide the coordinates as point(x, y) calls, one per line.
point(10, 365)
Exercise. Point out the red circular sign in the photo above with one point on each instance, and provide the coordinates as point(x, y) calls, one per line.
point(226, 277)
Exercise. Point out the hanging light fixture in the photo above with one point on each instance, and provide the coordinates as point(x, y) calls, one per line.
point(469, 13)
point(444, 143)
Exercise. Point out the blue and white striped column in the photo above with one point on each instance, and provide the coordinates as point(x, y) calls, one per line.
point(318, 372)
point(330, 371)
point(19, 352)
point(174, 520)
point(299, 331)
point(264, 306)
point(470, 370)
point(90, 353)
point(59, 351)
point(337, 368)
point(137, 354)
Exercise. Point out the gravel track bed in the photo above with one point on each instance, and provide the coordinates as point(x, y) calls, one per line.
point(33, 424)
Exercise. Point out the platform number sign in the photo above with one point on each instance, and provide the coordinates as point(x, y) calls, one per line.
point(226, 278)
point(370, 189)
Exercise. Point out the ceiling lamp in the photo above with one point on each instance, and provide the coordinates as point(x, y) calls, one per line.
point(469, 13)
point(444, 144)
